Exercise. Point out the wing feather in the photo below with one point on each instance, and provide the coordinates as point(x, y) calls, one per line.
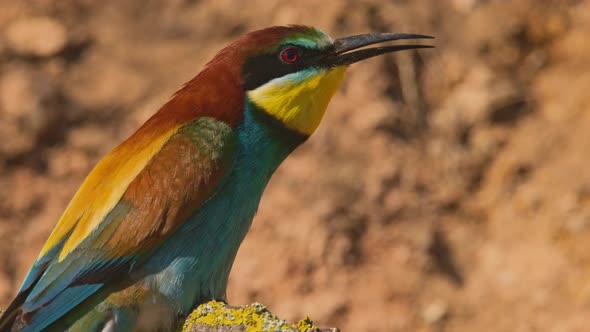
point(170, 187)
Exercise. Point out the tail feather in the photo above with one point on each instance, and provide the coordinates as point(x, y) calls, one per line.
point(14, 310)
point(9, 316)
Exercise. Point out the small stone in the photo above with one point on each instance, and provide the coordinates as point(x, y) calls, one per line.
point(68, 162)
point(36, 36)
point(465, 5)
point(16, 92)
point(101, 83)
point(24, 111)
point(89, 138)
point(435, 312)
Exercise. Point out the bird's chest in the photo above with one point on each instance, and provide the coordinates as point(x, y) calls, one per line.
point(194, 264)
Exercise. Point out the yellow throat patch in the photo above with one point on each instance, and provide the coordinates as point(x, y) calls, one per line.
point(299, 100)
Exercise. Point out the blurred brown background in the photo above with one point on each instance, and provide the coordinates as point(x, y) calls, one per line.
point(446, 190)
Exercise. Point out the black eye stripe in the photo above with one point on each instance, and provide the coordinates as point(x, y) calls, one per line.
point(263, 68)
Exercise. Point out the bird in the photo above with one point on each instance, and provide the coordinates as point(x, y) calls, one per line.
point(156, 225)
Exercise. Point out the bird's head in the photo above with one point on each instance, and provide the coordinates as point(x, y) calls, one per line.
point(288, 72)
point(292, 72)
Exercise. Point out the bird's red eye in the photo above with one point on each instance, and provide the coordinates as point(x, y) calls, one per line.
point(290, 55)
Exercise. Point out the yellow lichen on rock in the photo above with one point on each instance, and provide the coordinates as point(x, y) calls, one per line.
point(251, 318)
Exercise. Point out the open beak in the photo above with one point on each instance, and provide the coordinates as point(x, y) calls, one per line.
point(343, 56)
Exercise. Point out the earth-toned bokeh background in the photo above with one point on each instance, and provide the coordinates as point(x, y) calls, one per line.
point(446, 190)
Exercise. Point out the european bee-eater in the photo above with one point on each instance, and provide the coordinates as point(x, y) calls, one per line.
point(158, 222)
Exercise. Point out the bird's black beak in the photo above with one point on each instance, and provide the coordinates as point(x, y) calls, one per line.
point(341, 54)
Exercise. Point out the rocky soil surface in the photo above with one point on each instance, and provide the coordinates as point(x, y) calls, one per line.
point(446, 190)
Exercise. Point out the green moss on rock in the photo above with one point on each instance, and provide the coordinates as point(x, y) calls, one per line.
point(217, 316)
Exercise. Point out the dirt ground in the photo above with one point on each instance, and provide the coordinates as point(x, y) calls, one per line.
point(446, 190)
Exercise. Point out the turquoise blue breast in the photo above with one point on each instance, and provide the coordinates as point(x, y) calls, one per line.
point(194, 265)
